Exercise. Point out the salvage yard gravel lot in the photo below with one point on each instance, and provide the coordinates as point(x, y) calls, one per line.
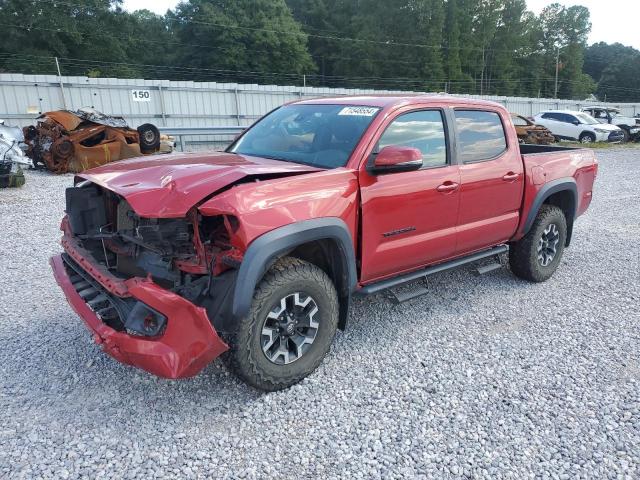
point(486, 377)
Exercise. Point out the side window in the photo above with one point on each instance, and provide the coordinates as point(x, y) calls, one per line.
point(569, 118)
point(480, 135)
point(423, 130)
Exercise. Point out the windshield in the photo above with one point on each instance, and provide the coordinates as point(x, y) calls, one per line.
point(319, 135)
point(587, 119)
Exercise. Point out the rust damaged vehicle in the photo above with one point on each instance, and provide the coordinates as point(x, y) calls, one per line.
point(529, 132)
point(66, 141)
point(255, 253)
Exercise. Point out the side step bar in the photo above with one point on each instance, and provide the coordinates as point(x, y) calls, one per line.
point(425, 272)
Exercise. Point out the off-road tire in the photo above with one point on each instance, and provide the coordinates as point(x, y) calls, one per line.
point(246, 358)
point(149, 138)
point(523, 254)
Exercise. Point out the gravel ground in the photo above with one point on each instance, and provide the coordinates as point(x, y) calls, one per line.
point(489, 377)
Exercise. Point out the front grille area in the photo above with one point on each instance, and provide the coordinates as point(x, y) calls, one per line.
point(616, 136)
point(109, 308)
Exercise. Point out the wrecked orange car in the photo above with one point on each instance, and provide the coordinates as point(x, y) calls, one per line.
point(529, 132)
point(67, 141)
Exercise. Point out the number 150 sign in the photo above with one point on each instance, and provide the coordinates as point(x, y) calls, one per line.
point(141, 95)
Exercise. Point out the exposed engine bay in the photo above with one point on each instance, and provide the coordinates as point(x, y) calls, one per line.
point(194, 257)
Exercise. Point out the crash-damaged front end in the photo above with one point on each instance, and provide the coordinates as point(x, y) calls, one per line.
point(152, 290)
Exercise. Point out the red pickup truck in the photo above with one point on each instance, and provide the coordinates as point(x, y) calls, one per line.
point(255, 253)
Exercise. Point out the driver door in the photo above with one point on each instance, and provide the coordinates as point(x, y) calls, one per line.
point(409, 218)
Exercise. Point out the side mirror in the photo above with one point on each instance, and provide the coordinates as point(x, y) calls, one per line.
point(576, 122)
point(394, 158)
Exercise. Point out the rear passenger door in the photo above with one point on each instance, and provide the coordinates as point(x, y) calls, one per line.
point(553, 122)
point(491, 179)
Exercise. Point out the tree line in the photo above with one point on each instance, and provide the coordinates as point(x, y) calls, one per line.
point(493, 47)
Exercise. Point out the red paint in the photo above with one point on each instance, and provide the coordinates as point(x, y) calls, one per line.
point(167, 186)
point(188, 344)
point(264, 206)
point(491, 197)
point(393, 155)
point(398, 221)
point(579, 164)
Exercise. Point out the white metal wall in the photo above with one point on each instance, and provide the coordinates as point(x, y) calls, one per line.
point(191, 104)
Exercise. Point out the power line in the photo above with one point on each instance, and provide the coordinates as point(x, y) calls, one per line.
point(304, 34)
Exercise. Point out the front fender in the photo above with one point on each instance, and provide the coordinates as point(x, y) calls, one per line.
point(264, 250)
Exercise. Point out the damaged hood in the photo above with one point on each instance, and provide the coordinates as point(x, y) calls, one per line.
point(168, 186)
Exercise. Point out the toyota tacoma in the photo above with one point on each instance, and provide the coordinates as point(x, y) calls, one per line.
point(255, 253)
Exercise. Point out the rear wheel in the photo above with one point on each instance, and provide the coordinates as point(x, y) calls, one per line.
point(289, 328)
point(536, 256)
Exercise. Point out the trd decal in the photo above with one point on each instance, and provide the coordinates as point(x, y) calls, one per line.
point(399, 231)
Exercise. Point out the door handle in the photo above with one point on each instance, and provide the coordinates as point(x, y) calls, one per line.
point(448, 187)
point(510, 177)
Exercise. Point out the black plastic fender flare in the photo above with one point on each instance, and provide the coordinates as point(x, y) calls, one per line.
point(268, 247)
point(555, 186)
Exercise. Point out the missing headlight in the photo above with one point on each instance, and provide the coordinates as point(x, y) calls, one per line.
point(142, 320)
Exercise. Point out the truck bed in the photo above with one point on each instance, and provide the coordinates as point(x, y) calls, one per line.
point(546, 166)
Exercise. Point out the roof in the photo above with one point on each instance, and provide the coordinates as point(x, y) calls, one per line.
point(572, 112)
point(600, 107)
point(384, 101)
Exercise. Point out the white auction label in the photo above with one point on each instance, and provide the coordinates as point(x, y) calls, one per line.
point(359, 111)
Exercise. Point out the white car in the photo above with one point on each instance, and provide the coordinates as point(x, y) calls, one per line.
point(612, 115)
point(570, 125)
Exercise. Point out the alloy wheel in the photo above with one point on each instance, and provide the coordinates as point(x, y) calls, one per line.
point(548, 244)
point(290, 328)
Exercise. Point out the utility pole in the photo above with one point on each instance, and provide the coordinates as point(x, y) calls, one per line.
point(482, 72)
point(64, 99)
point(557, 70)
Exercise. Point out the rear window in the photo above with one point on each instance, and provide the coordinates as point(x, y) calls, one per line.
point(480, 135)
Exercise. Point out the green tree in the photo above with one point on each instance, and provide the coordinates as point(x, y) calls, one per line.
point(258, 37)
point(616, 68)
point(563, 38)
point(89, 37)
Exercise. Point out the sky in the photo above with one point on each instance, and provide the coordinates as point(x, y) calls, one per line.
point(611, 21)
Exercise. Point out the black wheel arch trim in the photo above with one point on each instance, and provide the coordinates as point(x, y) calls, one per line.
point(555, 186)
point(587, 132)
point(267, 248)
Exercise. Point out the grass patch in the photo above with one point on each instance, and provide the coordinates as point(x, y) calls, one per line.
point(600, 145)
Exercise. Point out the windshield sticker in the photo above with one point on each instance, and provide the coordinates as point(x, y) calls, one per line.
point(359, 111)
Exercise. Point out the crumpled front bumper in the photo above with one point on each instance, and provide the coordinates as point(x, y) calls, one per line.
point(187, 345)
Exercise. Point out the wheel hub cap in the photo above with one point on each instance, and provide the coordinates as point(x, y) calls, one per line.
point(290, 328)
point(548, 244)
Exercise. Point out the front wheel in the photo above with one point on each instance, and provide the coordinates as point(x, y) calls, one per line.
point(626, 136)
point(536, 256)
point(289, 328)
point(587, 137)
